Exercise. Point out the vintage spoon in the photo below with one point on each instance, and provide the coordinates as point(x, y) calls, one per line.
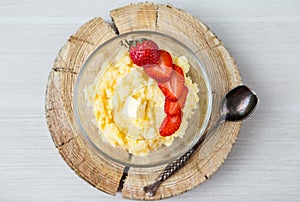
point(238, 104)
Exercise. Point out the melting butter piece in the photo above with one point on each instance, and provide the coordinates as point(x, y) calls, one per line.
point(136, 108)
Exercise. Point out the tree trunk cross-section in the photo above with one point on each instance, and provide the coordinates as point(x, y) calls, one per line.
point(96, 169)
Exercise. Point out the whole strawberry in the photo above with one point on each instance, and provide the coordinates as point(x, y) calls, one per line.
point(144, 52)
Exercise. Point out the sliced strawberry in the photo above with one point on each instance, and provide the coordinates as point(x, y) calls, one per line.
point(165, 58)
point(143, 52)
point(183, 96)
point(172, 88)
point(172, 108)
point(170, 125)
point(160, 72)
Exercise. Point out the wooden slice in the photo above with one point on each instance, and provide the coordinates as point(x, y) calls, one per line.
point(96, 169)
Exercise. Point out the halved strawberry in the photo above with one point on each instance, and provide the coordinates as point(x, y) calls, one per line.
point(143, 52)
point(160, 72)
point(170, 125)
point(172, 108)
point(172, 88)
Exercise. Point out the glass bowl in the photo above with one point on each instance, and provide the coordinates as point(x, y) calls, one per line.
point(106, 54)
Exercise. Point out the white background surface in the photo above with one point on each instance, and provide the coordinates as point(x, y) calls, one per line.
point(264, 38)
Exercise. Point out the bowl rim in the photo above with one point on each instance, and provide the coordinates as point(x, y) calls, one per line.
point(205, 78)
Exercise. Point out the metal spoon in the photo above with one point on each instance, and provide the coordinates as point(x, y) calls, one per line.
point(238, 104)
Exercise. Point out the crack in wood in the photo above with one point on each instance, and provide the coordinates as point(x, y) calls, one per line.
point(66, 142)
point(114, 26)
point(64, 70)
point(170, 6)
point(74, 39)
point(47, 112)
point(125, 174)
point(156, 20)
point(49, 109)
point(123, 178)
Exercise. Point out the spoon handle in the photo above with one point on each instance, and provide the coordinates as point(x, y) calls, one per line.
point(169, 170)
point(178, 163)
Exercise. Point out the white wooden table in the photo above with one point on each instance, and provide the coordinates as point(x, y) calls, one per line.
point(264, 38)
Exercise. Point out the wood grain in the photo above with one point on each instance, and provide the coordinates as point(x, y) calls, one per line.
point(264, 40)
point(94, 168)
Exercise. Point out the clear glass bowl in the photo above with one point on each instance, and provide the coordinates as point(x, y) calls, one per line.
point(85, 117)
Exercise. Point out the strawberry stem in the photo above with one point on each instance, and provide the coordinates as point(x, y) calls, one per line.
point(128, 43)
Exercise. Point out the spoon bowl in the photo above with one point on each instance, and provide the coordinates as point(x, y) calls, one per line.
point(238, 104)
